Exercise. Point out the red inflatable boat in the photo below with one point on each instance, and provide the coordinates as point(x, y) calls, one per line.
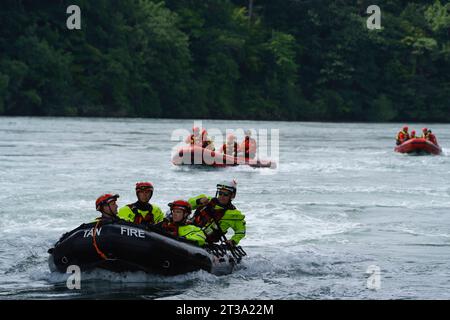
point(195, 155)
point(418, 146)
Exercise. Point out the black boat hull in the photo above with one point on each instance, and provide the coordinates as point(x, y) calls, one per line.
point(133, 248)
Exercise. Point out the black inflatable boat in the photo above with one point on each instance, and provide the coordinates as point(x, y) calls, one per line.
point(122, 246)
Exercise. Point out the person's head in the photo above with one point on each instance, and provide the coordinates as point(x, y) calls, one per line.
point(424, 130)
point(179, 211)
point(231, 138)
point(106, 204)
point(429, 131)
point(405, 128)
point(413, 133)
point(144, 191)
point(226, 191)
point(196, 131)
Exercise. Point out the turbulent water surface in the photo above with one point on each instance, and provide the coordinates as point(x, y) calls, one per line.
point(340, 203)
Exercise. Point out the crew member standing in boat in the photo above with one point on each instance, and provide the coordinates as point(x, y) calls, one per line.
point(142, 212)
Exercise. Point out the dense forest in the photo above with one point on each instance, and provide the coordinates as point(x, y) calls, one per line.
point(229, 59)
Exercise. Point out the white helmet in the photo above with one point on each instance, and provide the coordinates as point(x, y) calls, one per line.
point(228, 185)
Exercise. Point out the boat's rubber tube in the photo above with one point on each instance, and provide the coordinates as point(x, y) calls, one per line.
point(418, 146)
point(129, 247)
point(196, 155)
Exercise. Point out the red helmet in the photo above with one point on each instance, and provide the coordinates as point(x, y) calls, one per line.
point(405, 128)
point(196, 130)
point(105, 199)
point(144, 186)
point(181, 204)
point(424, 129)
point(413, 132)
point(204, 132)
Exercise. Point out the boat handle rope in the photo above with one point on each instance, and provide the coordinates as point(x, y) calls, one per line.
point(97, 249)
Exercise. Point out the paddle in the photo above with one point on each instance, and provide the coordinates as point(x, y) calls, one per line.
point(236, 251)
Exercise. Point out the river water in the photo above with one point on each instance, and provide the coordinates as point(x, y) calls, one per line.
point(342, 216)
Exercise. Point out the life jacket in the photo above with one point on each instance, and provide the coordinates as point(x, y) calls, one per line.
point(402, 135)
point(171, 228)
point(249, 146)
point(208, 218)
point(432, 138)
point(192, 139)
point(138, 218)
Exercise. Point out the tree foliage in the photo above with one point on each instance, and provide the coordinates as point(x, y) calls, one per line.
point(293, 60)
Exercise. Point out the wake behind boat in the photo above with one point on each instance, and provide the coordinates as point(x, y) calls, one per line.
point(122, 246)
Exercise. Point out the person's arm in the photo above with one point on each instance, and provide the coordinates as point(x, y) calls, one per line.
point(158, 215)
point(126, 214)
point(235, 220)
point(197, 201)
point(194, 234)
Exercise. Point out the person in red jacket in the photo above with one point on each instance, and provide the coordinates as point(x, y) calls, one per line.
point(432, 137)
point(207, 142)
point(424, 133)
point(413, 134)
point(194, 138)
point(248, 146)
point(231, 147)
point(402, 136)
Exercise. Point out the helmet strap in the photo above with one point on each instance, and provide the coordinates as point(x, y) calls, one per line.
point(105, 213)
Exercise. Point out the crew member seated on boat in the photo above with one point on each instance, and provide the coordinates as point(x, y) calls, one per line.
point(248, 146)
point(413, 134)
point(231, 147)
point(107, 205)
point(195, 137)
point(432, 137)
point(142, 212)
point(402, 136)
point(176, 223)
point(207, 142)
point(424, 133)
point(217, 215)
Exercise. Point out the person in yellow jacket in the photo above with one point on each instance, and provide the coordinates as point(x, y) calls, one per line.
point(217, 215)
point(176, 224)
point(142, 212)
